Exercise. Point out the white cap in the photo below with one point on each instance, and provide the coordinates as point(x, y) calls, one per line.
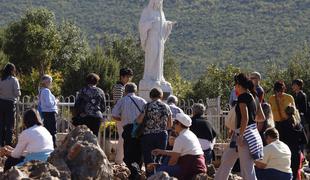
point(184, 119)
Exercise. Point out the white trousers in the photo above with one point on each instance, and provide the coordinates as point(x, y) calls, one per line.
point(229, 158)
point(120, 145)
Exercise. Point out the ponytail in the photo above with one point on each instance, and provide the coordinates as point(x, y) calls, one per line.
point(251, 88)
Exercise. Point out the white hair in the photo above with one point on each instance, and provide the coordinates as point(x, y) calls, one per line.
point(46, 78)
point(172, 99)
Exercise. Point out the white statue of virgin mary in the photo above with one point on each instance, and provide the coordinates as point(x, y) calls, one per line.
point(154, 31)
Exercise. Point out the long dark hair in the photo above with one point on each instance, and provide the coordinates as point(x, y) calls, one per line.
point(31, 118)
point(8, 70)
point(244, 81)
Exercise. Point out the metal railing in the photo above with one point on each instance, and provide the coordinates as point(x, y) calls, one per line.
point(108, 134)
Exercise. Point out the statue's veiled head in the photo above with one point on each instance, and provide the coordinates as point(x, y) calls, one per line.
point(156, 4)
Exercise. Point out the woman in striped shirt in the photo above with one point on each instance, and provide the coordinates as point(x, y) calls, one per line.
point(246, 143)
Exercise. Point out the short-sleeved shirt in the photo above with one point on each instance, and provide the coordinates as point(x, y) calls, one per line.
point(187, 143)
point(127, 110)
point(284, 101)
point(156, 117)
point(277, 155)
point(247, 99)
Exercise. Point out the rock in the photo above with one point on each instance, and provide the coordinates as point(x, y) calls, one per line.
point(81, 155)
point(161, 176)
point(201, 176)
point(40, 170)
point(120, 172)
point(211, 170)
point(13, 174)
point(234, 177)
point(2, 161)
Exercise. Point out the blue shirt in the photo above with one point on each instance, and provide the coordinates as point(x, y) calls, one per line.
point(47, 101)
point(127, 110)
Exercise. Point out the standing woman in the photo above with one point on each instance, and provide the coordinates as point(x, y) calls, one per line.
point(9, 93)
point(90, 104)
point(246, 143)
point(157, 118)
point(48, 106)
point(279, 102)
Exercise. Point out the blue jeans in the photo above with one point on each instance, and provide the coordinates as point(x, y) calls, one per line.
point(272, 174)
point(208, 155)
point(150, 142)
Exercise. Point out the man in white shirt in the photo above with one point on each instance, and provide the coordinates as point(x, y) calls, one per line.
point(126, 110)
point(186, 158)
point(276, 163)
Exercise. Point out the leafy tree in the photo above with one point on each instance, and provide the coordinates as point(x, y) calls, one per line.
point(73, 48)
point(128, 52)
point(33, 42)
point(30, 83)
point(214, 83)
point(3, 57)
point(106, 67)
point(181, 87)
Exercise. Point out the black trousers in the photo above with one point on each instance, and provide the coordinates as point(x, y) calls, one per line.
point(10, 162)
point(7, 121)
point(132, 151)
point(93, 123)
point(50, 124)
point(295, 162)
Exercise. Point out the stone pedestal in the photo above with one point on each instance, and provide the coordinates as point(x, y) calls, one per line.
point(145, 87)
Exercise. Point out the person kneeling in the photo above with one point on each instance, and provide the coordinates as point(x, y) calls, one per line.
point(34, 143)
point(277, 159)
point(186, 158)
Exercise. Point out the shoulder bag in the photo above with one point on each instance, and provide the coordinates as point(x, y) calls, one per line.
point(138, 129)
point(230, 120)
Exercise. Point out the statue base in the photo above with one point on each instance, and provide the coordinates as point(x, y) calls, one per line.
point(145, 87)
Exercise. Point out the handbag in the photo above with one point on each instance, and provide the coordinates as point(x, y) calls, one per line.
point(230, 120)
point(137, 129)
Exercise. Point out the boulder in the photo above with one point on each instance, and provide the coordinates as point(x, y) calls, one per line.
point(234, 177)
point(80, 157)
point(161, 176)
point(121, 172)
point(13, 174)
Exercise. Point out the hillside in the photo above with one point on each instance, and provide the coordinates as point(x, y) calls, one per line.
point(248, 33)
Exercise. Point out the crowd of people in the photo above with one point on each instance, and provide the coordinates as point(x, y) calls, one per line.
point(269, 137)
point(272, 148)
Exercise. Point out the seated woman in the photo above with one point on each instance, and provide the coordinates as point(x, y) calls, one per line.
point(204, 130)
point(277, 158)
point(34, 143)
point(186, 158)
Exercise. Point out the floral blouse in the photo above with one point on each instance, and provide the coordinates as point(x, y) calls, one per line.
point(156, 117)
point(91, 101)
